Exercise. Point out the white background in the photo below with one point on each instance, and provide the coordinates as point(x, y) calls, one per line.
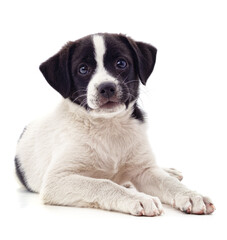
point(185, 99)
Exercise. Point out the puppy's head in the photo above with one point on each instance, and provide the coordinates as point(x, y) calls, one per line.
point(100, 72)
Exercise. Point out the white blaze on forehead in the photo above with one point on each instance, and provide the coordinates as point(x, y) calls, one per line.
point(100, 75)
point(100, 50)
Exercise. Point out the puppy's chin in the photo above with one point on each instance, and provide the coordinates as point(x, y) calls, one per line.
point(108, 110)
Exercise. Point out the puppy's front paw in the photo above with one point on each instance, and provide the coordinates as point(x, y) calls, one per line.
point(145, 206)
point(192, 202)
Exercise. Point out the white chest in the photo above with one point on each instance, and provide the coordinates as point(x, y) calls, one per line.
point(110, 144)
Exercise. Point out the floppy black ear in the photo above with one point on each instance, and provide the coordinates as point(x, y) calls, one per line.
point(145, 56)
point(56, 70)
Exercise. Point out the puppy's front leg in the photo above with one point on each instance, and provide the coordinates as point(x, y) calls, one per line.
point(65, 187)
point(156, 182)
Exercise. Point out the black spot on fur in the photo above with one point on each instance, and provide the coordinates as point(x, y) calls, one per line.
point(138, 114)
point(20, 174)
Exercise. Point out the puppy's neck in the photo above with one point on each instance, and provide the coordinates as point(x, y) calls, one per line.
point(79, 113)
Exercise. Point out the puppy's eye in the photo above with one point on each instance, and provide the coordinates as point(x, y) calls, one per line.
point(83, 69)
point(121, 63)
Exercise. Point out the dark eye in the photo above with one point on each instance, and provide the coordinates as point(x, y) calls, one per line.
point(83, 69)
point(121, 63)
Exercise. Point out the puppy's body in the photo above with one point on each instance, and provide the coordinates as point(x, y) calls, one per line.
point(96, 147)
point(95, 141)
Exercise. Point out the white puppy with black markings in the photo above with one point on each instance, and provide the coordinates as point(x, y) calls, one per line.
point(93, 147)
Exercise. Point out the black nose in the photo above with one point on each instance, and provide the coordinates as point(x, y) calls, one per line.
point(107, 89)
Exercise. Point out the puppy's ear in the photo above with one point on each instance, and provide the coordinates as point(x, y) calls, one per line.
point(145, 57)
point(56, 70)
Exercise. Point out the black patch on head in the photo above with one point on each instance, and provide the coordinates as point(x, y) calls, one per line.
point(62, 70)
point(20, 174)
point(144, 56)
point(138, 114)
point(83, 55)
point(140, 58)
point(117, 49)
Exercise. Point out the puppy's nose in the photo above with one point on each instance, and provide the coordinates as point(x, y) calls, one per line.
point(107, 89)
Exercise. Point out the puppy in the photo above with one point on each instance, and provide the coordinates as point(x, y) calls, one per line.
point(92, 150)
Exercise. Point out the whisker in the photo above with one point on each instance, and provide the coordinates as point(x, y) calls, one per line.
point(81, 90)
point(83, 103)
point(131, 81)
point(83, 95)
point(118, 75)
point(132, 95)
point(124, 79)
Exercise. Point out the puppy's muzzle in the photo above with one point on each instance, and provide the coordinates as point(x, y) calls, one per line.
point(108, 95)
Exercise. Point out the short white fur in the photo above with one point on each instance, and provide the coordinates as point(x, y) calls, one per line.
point(100, 50)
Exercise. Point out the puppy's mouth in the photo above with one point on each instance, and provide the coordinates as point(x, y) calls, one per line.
point(109, 105)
